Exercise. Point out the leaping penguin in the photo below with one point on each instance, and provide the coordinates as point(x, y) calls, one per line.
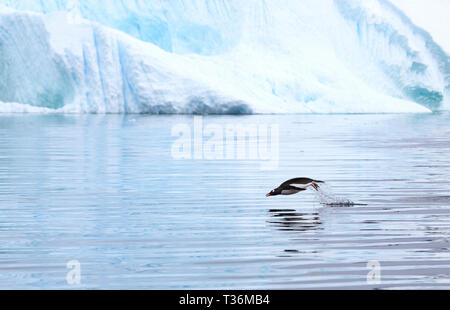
point(293, 186)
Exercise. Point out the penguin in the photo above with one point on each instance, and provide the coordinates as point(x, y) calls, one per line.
point(293, 186)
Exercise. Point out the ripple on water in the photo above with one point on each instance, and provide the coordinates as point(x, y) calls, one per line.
point(104, 190)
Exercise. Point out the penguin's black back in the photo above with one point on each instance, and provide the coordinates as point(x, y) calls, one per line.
point(299, 181)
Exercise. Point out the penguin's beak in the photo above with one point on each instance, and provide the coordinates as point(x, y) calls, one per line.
point(268, 195)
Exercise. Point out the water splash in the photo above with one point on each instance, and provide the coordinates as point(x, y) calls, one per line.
point(326, 197)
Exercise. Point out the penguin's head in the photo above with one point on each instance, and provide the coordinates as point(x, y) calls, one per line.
point(275, 192)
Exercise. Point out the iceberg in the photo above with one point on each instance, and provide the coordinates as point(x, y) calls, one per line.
point(217, 57)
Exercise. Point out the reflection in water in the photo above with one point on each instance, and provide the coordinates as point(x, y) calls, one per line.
point(290, 220)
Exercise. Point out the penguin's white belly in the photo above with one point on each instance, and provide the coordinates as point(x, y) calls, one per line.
point(302, 186)
point(289, 191)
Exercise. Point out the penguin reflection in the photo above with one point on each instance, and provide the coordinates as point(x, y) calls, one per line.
point(291, 220)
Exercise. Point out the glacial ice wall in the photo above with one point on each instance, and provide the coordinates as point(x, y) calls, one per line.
point(215, 56)
point(85, 67)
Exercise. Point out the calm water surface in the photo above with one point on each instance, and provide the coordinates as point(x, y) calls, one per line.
point(106, 191)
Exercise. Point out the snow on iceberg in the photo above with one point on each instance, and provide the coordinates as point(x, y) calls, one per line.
point(420, 11)
point(207, 56)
